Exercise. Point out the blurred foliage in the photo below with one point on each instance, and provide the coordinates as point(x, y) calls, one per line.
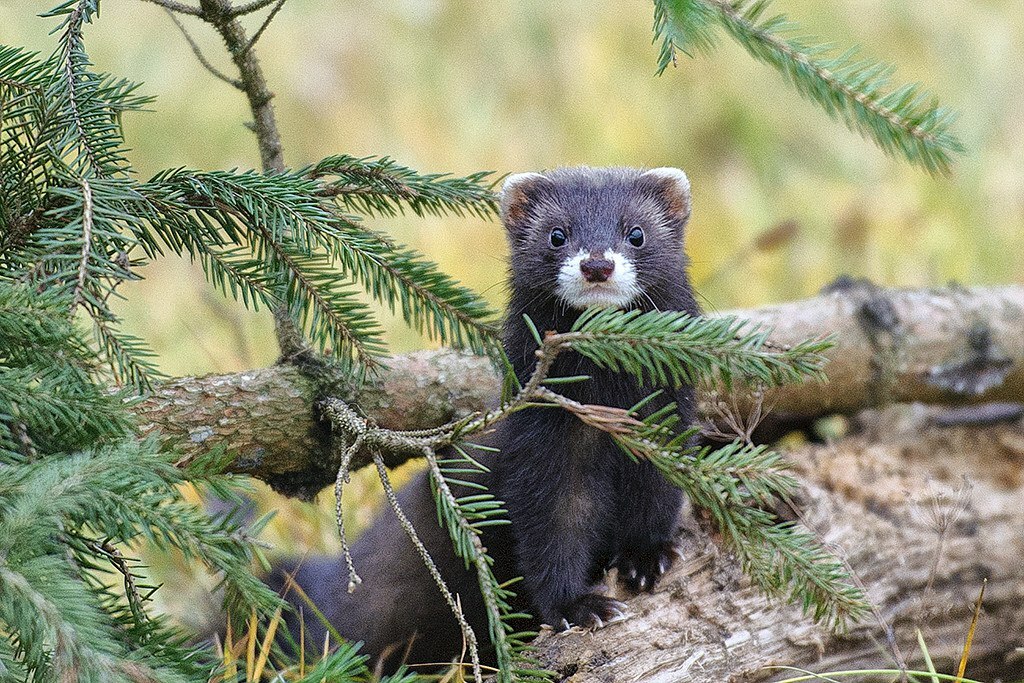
point(513, 88)
point(903, 120)
point(460, 85)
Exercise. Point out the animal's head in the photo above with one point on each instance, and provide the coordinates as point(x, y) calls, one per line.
point(596, 236)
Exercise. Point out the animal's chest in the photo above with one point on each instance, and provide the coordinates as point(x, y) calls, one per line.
point(591, 476)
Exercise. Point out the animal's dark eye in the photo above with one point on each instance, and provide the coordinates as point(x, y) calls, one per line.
point(636, 237)
point(558, 237)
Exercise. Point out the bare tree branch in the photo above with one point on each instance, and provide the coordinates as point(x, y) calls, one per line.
point(263, 27)
point(251, 7)
point(180, 8)
point(233, 82)
point(223, 17)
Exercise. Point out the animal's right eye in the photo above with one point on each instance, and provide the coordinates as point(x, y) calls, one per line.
point(558, 237)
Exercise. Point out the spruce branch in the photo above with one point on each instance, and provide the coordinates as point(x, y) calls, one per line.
point(330, 310)
point(71, 56)
point(428, 300)
point(465, 518)
point(284, 211)
point(685, 26)
point(58, 611)
point(48, 398)
point(63, 166)
point(734, 485)
point(55, 597)
point(903, 121)
point(83, 266)
point(95, 146)
point(253, 233)
point(672, 348)
point(380, 186)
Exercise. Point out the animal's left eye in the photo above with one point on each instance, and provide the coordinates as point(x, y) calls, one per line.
point(636, 237)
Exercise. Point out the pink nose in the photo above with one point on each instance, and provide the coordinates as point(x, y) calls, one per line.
point(597, 269)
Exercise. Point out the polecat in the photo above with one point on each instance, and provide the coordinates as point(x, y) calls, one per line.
point(577, 504)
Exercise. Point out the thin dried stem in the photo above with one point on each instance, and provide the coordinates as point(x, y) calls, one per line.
point(83, 265)
point(197, 51)
point(179, 7)
point(342, 478)
point(467, 630)
point(249, 8)
point(941, 514)
point(263, 27)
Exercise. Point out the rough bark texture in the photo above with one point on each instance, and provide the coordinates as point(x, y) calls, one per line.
point(269, 417)
point(891, 346)
point(945, 345)
point(878, 498)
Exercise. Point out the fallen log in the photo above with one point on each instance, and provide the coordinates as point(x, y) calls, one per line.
point(950, 345)
point(922, 514)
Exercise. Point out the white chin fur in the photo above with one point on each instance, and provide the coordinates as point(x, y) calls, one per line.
point(620, 290)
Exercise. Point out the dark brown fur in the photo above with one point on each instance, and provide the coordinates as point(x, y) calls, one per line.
point(577, 504)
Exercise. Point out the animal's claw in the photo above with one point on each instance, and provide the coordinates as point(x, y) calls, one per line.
point(641, 567)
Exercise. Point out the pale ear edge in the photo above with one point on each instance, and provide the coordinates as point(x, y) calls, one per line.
point(511, 183)
point(676, 175)
point(680, 183)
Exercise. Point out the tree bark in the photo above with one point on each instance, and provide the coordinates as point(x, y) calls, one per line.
point(951, 345)
point(880, 499)
point(269, 417)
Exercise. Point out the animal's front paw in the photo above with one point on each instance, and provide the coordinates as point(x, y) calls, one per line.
point(640, 568)
point(591, 611)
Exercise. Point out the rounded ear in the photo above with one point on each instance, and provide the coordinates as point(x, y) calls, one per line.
point(673, 187)
point(515, 194)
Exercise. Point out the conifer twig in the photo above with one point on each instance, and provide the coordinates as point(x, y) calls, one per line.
point(263, 27)
point(83, 265)
point(179, 7)
point(479, 559)
point(224, 17)
point(904, 121)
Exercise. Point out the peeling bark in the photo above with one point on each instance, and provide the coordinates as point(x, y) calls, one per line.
point(877, 499)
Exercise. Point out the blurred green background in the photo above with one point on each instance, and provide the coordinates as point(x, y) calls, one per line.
point(461, 86)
